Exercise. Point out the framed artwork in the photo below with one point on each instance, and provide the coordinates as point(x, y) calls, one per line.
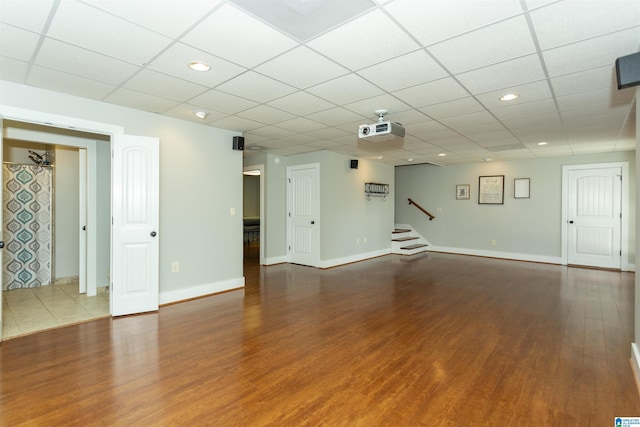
point(462, 191)
point(521, 188)
point(491, 190)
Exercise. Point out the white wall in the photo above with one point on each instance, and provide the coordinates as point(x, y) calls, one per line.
point(200, 181)
point(531, 227)
point(67, 209)
point(251, 196)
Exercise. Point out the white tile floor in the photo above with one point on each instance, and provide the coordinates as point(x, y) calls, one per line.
point(25, 311)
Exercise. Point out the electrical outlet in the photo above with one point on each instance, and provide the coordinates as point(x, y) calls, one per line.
point(358, 241)
point(493, 242)
point(365, 240)
point(175, 266)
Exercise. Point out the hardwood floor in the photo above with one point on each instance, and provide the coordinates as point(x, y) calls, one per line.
point(433, 340)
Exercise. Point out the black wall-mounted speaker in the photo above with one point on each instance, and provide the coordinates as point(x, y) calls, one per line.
point(628, 70)
point(354, 164)
point(238, 142)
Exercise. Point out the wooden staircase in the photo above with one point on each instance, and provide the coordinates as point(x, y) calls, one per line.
point(405, 241)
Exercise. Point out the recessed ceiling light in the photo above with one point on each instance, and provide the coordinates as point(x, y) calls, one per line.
point(199, 66)
point(542, 143)
point(442, 154)
point(251, 173)
point(379, 157)
point(509, 97)
point(255, 147)
point(410, 159)
point(486, 159)
point(201, 114)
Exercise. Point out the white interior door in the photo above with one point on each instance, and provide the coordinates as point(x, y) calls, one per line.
point(134, 233)
point(1, 226)
point(594, 217)
point(303, 196)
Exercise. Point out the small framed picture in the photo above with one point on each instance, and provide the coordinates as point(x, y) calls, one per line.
point(521, 188)
point(462, 191)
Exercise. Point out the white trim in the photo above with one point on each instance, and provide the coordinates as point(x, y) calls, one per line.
point(276, 260)
point(635, 364)
point(496, 254)
point(624, 226)
point(353, 258)
point(183, 294)
point(65, 122)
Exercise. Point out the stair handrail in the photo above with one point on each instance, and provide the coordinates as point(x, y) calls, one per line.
point(411, 202)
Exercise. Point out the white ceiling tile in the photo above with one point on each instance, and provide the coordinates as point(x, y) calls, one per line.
point(589, 18)
point(235, 123)
point(255, 86)
point(175, 61)
point(17, 43)
point(506, 74)
point(238, 37)
point(304, 19)
point(525, 109)
point(300, 124)
point(12, 69)
point(436, 20)
point(408, 117)
point(367, 107)
point(265, 114)
point(596, 78)
point(140, 101)
point(591, 53)
point(85, 26)
point(271, 132)
point(470, 119)
point(222, 102)
point(599, 99)
point(407, 70)
point(153, 14)
point(323, 144)
point(47, 78)
point(452, 108)
point(301, 103)
point(186, 112)
point(335, 116)
point(165, 86)
point(328, 133)
point(372, 33)
point(301, 67)
point(345, 89)
point(485, 46)
point(528, 92)
point(31, 15)
point(432, 93)
point(74, 60)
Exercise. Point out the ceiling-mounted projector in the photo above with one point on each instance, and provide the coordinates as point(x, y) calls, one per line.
point(384, 130)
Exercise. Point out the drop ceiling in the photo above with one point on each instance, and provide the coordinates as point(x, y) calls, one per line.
point(297, 76)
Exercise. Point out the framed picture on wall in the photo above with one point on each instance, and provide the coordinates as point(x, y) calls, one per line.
point(521, 187)
point(462, 191)
point(491, 190)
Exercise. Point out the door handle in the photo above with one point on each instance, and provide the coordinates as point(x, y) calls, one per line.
point(570, 222)
point(153, 234)
point(313, 222)
point(1, 244)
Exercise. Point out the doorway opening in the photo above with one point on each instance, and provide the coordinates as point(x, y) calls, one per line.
point(59, 299)
point(252, 216)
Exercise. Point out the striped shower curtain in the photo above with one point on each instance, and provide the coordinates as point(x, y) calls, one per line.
point(27, 218)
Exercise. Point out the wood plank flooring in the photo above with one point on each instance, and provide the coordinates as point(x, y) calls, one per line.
point(428, 340)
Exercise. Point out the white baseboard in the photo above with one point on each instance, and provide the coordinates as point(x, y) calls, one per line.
point(275, 260)
point(353, 258)
point(635, 364)
point(167, 297)
point(496, 254)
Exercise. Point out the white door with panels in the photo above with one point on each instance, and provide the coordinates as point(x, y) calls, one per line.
point(594, 217)
point(134, 233)
point(303, 207)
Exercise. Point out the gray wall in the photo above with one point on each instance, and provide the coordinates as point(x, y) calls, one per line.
point(200, 182)
point(250, 196)
point(520, 226)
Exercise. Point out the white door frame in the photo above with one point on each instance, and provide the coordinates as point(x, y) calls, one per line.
point(262, 218)
point(91, 185)
point(624, 226)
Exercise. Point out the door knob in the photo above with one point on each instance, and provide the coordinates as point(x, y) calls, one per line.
point(570, 222)
point(153, 234)
point(1, 244)
point(313, 222)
